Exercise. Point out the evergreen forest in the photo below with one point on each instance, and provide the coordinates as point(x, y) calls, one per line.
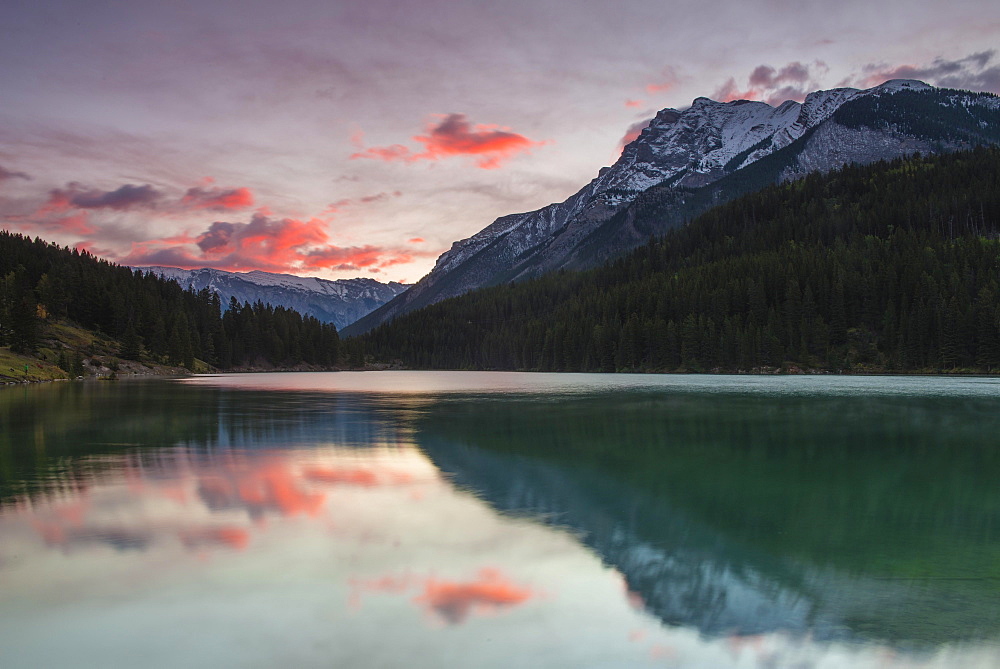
point(152, 318)
point(893, 266)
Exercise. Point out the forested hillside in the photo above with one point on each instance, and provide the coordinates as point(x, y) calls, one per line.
point(152, 318)
point(891, 266)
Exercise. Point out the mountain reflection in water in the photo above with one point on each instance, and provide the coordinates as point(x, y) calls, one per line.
point(811, 529)
point(841, 517)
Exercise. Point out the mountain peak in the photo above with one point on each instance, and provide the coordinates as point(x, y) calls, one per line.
point(678, 167)
point(340, 301)
point(894, 85)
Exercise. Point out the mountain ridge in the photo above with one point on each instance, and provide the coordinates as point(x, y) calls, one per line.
point(680, 161)
point(339, 301)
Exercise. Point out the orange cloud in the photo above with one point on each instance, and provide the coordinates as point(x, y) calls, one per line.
point(78, 224)
point(635, 103)
point(269, 244)
point(360, 477)
point(266, 487)
point(453, 602)
point(53, 220)
point(632, 133)
point(455, 136)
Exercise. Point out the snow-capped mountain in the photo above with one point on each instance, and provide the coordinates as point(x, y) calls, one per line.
point(339, 302)
point(686, 161)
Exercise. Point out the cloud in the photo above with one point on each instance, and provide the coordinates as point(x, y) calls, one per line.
point(75, 196)
point(7, 175)
point(363, 477)
point(632, 133)
point(359, 257)
point(218, 199)
point(451, 601)
point(973, 72)
point(635, 103)
point(265, 243)
point(774, 85)
point(229, 536)
point(666, 81)
point(339, 205)
point(455, 136)
point(765, 76)
point(262, 487)
point(730, 91)
point(59, 534)
point(52, 221)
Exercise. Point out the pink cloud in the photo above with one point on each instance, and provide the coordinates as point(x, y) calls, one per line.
point(269, 244)
point(635, 103)
point(632, 133)
point(452, 602)
point(387, 153)
point(973, 72)
point(774, 85)
point(455, 136)
point(667, 81)
point(218, 199)
point(729, 91)
point(366, 478)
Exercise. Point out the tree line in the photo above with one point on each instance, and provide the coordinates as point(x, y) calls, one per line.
point(892, 266)
point(153, 318)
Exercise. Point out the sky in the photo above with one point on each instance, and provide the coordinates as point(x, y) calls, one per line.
point(343, 139)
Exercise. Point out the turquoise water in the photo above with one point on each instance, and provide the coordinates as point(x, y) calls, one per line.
point(501, 519)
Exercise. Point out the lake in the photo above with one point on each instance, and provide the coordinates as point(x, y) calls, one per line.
point(466, 519)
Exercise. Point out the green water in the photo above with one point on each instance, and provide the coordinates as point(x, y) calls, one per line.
point(477, 519)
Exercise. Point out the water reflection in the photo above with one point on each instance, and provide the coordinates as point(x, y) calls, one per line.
point(450, 602)
point(840, 518)
point(641, 528)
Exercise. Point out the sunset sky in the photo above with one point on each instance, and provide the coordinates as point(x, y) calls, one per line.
point(341, 139)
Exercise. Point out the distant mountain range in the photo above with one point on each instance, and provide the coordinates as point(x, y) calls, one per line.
point(687, 161)
point(340, 302)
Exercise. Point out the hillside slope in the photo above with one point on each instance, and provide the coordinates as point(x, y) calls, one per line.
point(339, 302)
point(687, 161)
point(894, 266)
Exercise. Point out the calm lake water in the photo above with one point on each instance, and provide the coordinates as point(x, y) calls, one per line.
point(428, 519)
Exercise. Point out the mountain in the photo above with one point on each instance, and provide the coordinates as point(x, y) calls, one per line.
point(687, 161)
point(340, 302)
point(869, 268)
point(60, 307)
point(719, 521)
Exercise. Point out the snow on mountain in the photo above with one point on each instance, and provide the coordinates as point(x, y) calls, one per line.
point(340, 302)
point(684, 157)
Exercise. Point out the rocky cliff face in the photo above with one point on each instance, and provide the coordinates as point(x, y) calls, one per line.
point(687, 161)
point(339, 302)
